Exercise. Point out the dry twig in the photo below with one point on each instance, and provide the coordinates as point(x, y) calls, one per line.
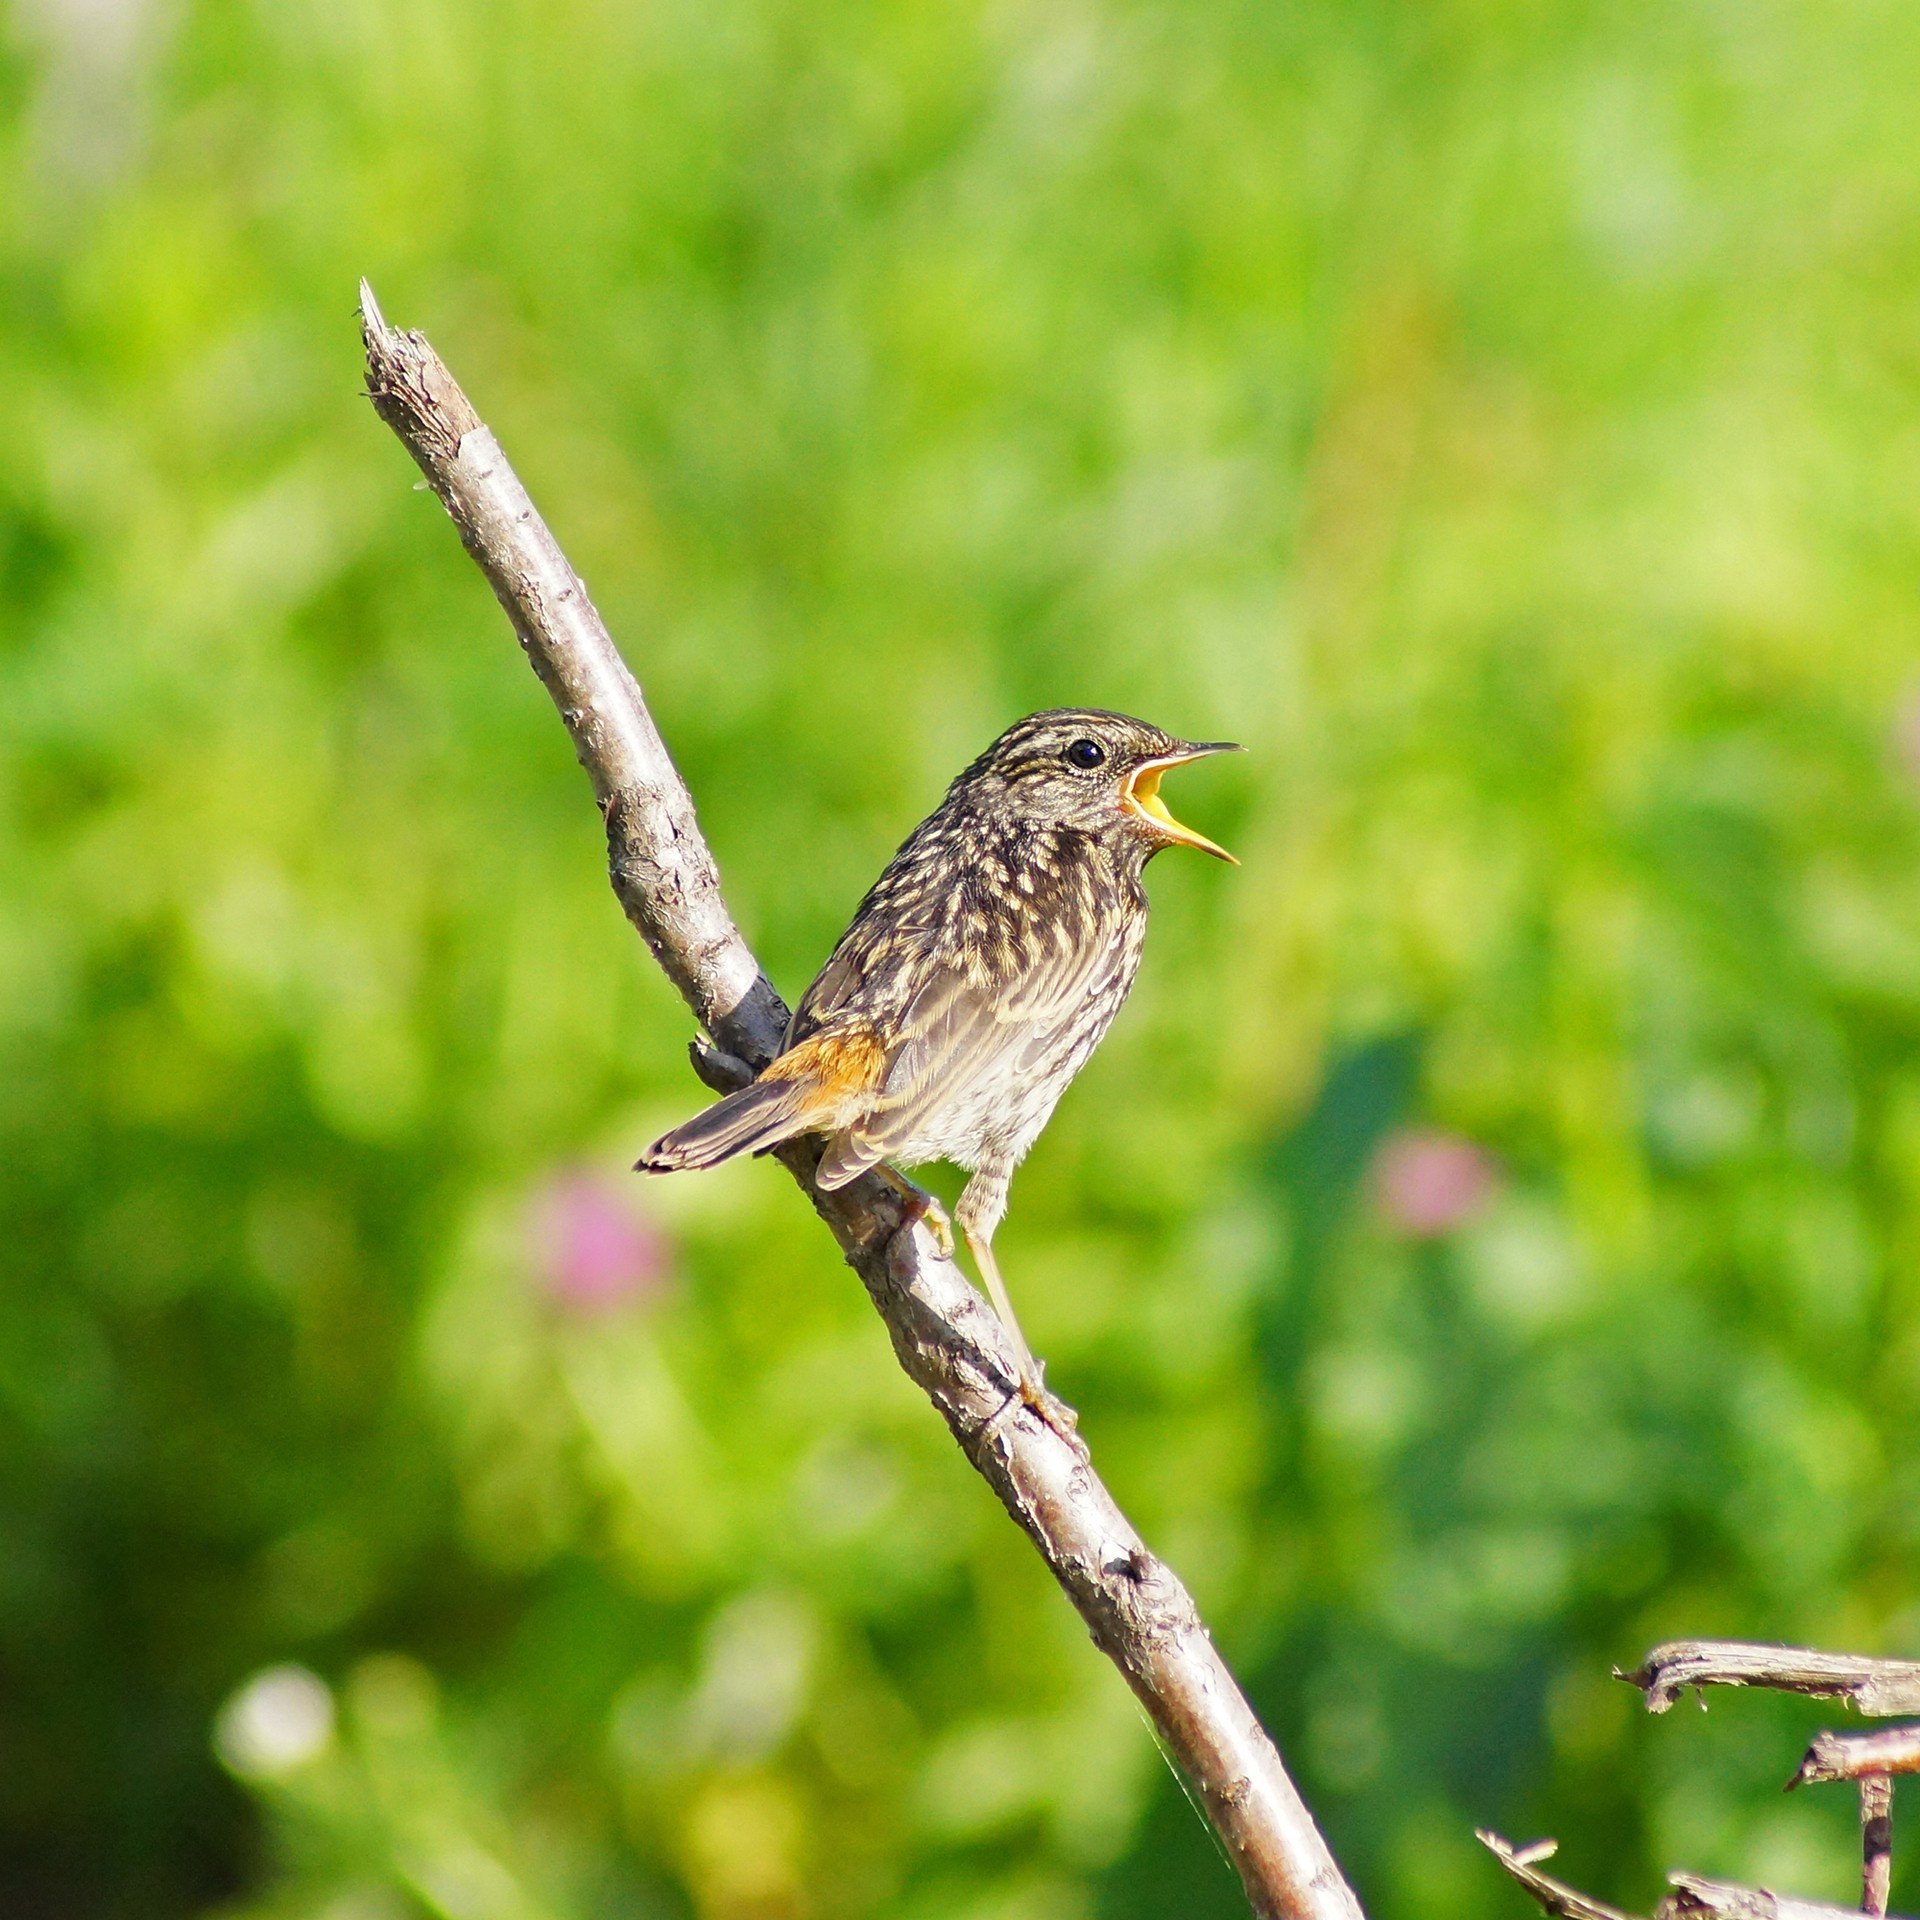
point(1554, 1896)
point(944, 1335)
point(1873, 1686)
point(1876, 1843)
point(1693, 1898)
point(1852, 1756)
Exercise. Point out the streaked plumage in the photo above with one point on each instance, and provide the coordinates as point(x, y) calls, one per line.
point(981, 970)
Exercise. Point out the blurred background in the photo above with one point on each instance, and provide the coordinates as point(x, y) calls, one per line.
point(1487, 1244)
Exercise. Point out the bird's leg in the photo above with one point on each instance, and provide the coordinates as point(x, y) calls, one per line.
point(1033, 1378)
point(921, 1205)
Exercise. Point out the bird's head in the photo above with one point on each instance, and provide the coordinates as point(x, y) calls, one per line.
point(1094, 771)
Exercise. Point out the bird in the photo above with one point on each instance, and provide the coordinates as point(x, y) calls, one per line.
point(979, 973)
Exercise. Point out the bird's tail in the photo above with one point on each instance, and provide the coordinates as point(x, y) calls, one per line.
point(755, 1118)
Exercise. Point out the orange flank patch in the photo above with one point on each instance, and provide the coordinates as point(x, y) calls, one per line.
point(850, 1060)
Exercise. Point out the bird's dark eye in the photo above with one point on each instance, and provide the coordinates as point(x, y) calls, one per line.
point(1086, 755)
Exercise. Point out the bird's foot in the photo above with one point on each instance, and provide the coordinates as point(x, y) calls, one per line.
point(921, 1205)
point(1050, 1407)
point(935, 1215)
point(724, 1072)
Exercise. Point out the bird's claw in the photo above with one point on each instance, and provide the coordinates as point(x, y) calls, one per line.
point(724, 1072)
point(921, 1205)
point(1051, 1408)
point(935, 1215)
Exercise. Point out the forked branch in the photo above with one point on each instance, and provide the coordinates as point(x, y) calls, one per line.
point(945, 1337)
point(1871, 1759)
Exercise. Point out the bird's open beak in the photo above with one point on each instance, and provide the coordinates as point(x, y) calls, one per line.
point(1141, 795)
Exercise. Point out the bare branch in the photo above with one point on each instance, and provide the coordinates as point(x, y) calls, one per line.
point(1693, 1898)
point(944, 1335)
point(1873, 1686)
point(1851, 1756)
point(661, 869)
point(1555, 1896)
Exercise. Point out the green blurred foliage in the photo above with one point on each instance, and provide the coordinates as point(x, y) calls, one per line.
point(1501, 417)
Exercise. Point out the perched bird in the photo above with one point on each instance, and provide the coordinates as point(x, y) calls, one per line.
point(980, 971)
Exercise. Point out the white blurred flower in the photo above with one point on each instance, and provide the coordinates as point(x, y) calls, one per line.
point(1906, 733)
point(753, 1683)
point(95, 60)
point(275, 1724)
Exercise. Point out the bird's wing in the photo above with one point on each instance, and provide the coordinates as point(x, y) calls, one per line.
point(963, 1024)
point(836, 984)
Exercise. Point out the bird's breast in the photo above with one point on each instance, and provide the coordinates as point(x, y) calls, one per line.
point(993, 1117)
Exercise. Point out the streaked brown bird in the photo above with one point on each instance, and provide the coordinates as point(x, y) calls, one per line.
point(981, 970)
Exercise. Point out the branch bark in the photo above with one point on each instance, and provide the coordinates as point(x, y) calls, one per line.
point(943, 1333)
point(1876, 1687)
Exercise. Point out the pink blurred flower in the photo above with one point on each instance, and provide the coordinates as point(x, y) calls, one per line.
point(593, 1249)
point(1425, 1183)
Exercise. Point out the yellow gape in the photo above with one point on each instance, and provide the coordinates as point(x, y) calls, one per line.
point(1143, 797)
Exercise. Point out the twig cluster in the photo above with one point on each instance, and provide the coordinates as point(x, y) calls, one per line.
point(1876, 1687)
